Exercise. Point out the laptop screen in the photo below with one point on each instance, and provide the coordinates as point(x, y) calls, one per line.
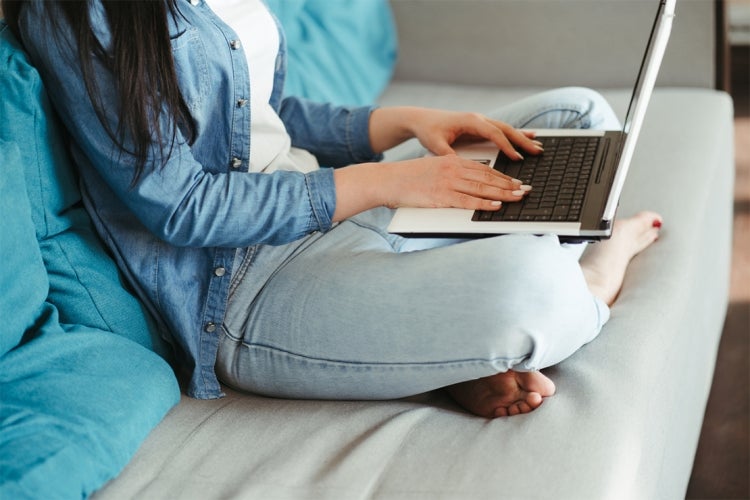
point(644, 84)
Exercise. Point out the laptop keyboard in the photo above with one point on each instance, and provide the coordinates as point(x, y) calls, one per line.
point(559, 178)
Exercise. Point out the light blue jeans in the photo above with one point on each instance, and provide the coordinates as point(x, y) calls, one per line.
point(357, 313)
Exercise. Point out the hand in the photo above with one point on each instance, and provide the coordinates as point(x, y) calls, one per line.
point(431, 182)
point(450, 181)
point(437, 130)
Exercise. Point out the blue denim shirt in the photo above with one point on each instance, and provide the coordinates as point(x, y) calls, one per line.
point(176, 232)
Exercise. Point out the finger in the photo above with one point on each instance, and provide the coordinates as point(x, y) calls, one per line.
point(465, 201)
point(492, 131)
point(478, 172)
point(483, 169)
point(475, 124)
point(480, 190)
point(459, 192)
point(441, 148)
point(525, 139)
point(484, 184)
point(521, 138)
point(530, 134)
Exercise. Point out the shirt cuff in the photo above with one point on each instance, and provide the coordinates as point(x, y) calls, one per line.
point(321, 191)
point(358, 135)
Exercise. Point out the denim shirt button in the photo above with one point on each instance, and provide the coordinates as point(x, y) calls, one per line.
point(219, 272)
point(210, 327)
point(235, 44)
point(195, 3)
point(241, 102)
point(236, 162)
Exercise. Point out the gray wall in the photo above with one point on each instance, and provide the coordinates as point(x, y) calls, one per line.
point(596, 43)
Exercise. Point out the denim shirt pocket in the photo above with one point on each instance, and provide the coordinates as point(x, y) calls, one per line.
point(191, 65)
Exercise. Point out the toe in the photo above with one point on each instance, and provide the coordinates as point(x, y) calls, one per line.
point(533, 400)
point(501, 412)
point(535, 382)
point(524, 407)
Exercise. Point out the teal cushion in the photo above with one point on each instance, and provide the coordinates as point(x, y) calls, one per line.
point(76, 405)
point(75, 402)
point(23, 279)
point(340, 51)
point(85, 284)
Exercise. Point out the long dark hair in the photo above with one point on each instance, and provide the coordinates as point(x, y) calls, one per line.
point(143, 68)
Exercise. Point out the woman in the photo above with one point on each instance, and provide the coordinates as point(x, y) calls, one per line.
point(275, 275)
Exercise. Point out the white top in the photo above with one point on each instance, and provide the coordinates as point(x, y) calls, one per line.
point(270, 144)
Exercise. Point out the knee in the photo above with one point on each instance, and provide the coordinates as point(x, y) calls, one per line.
point(566, 107)
point(595, 110)
point(546, 306)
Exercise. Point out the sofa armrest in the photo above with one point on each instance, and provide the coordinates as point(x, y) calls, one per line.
point(549, 43)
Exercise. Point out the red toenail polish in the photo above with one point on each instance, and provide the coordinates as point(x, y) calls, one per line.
point(657, 224)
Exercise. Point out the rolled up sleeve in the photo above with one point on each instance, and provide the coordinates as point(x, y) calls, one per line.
point(336, 135)
point(322, 194)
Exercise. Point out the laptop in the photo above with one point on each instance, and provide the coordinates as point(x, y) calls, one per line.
point(577, 180)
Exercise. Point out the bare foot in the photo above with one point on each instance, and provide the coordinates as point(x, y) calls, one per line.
point(503, 394)
point(604, 263)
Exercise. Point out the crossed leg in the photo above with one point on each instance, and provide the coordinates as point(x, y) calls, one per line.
point(604, 266)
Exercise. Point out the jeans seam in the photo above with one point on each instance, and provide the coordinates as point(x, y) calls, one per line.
point(240, 273)
point(375, 364)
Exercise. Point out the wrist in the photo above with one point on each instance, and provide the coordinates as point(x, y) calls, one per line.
point(390, 126)
point(359, 188)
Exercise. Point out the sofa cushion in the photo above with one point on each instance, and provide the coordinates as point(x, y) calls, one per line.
point(340, 51)
point(23, 279)
point(85, 284)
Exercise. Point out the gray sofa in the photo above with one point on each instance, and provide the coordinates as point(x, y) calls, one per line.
point(629, 406)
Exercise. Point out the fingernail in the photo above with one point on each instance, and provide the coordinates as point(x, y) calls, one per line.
point(656, 224)
point(518, 192)
point(519, 155)
point(516, 181)
point(497, 203)
point(526, 187)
